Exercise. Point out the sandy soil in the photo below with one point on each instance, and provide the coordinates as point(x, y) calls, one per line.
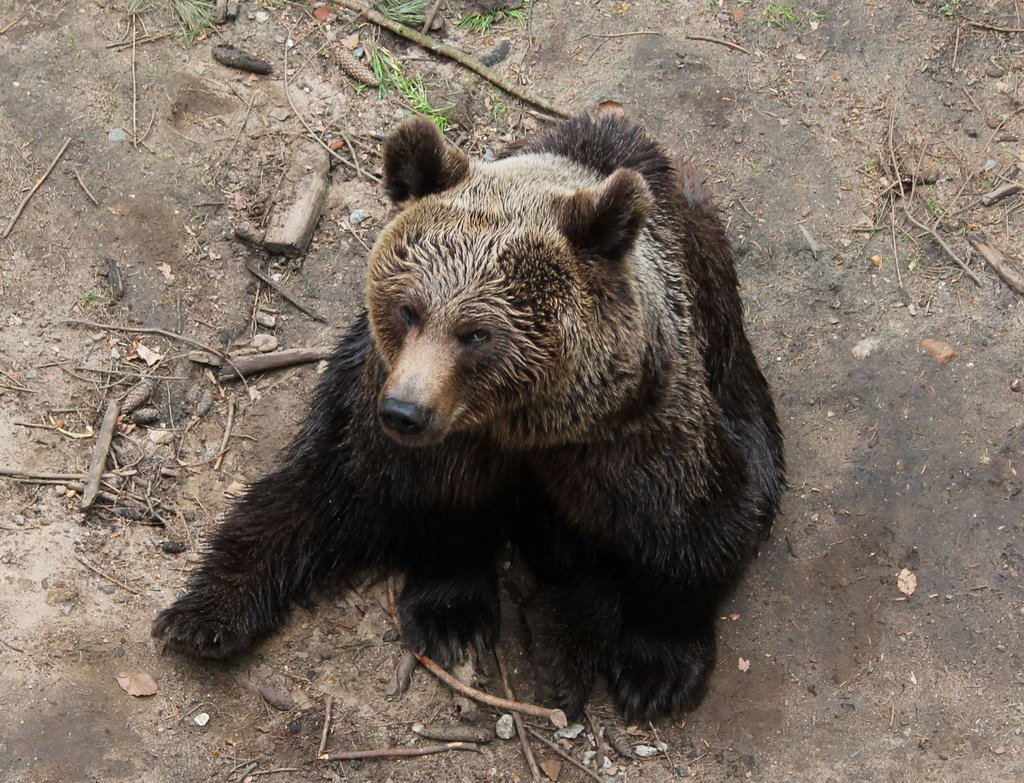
point(827, 671)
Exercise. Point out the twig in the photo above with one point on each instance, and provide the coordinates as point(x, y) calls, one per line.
point(309, 129)
point(994, 27)
point(429, 18)
point(589, 772)
point(135, 94)
point(446, 50)
point(620, 35)
point(39, 182)
point(108, 577)
point(457, 733)
point(720, 42)
point(556, 716)
point(524, 739)
point(10, 26)
point(78, 176)
point(328, 706)
point(234, 141)
point(389, 753)
point(99, 454)
point(906, 211)
point(227, 434)
point(996, 259)
point(284, 292)
point(143, 40)
point(997, 194)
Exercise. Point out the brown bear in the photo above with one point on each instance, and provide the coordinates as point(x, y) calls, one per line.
point(552, 354)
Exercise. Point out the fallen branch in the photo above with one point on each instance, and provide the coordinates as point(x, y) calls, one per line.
point(1005, 190)
point(227, 434)
point(446, 50)
point(261, 362)
point(996, 259)
point(99, 454)
point(389, 753)
point(31, 193)
point(285, 293)
point(994, 27)
point(31, 475)
point(556, 716)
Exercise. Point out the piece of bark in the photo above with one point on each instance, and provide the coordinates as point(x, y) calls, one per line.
point(996, 259)
point(233, 57)
point(1005, 190)
point(295, 215)
point(99, 454)
point(261, 362)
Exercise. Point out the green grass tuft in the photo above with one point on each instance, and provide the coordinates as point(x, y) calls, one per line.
point(392, 76)
point(193, 16)
point(411, 13)
point(482, 23)
point(779, 15)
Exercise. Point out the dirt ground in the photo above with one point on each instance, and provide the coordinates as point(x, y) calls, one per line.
point(828, 671)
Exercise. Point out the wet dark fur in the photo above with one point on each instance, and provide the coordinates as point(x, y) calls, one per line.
point(634, 539)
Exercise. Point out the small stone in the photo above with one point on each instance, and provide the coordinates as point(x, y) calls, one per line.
point(266, 320)
point(864, 348)
point(173, 547)
point(117, 134)
point(13, 320)
point(995, 72)
point(277, 698)
point(262, 17)
point(646, 751)
point(201, 719)
point(939, 350)
point(570, 732)
point(31, 375)
point(160, 437)
point(279, 114)
point(1016, 385)
point(264, 343)
point(505, 728)
point(357, 216)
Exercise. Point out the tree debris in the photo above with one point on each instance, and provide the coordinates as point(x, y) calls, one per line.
point(996, 259)
point(293, 219)
point(233, 57)
point(99, 454)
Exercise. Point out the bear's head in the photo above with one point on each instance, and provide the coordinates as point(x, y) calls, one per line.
point(491, 294)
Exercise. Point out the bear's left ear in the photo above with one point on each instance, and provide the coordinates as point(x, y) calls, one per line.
point(606, 219)
point(418, 161)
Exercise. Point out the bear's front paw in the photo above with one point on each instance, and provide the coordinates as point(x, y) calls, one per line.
point(654, 677)
point(445, 629)
point(197, 627)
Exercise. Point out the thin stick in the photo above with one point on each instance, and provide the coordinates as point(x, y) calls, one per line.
point(524, 739)
point(389, 753)
point(108, 577)
point(135, 94)
point(39, 182)
point(227, 434)
point(284, 292)
point(906, 210)
point(327, 726)
point(621, 35)
point(720, 42)
point(429, 19)
point(9, 27)
point(234, 141)
point(99, 454)
point(309, 129)
point(162, 333)
point(446, 50)
point(996, 259)
point(590, 773)
point(556, 716)
point(18, 473)
point(78, 176)
point(994, 27)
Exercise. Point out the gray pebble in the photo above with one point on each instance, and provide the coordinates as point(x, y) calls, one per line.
point(505, 728)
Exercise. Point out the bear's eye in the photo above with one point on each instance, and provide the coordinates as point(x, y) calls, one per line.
point(476, 337)
point(407, 315)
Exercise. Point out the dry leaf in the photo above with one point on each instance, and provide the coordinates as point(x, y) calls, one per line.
point(350, 42)
point(744, 665)
point(552, 768)
point(137, 683)
point(906, 581)
point(165, 270)
point(148, 355)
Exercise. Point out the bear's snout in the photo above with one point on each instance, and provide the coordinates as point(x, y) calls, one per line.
point(403, 417)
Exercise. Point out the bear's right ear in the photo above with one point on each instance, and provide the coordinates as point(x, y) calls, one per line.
point(418, 161)
point(606, 219)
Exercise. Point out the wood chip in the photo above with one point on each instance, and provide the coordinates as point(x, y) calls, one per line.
point(295, 216)
point(939, 350)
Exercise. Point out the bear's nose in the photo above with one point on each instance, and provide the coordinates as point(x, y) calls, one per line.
point(404, 418)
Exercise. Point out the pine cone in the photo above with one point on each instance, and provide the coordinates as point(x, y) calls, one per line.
point(355, 69)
